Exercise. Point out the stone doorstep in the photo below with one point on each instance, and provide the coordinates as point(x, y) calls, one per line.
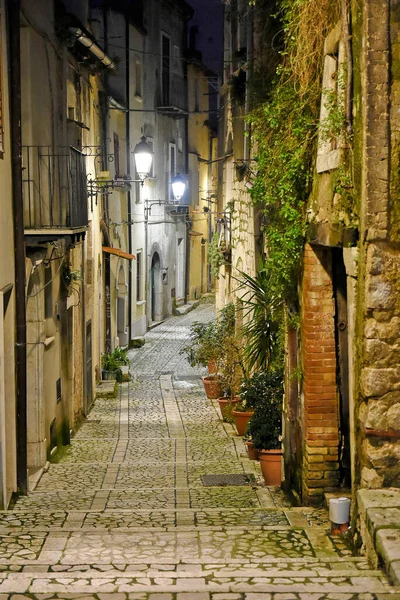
point(379, 511)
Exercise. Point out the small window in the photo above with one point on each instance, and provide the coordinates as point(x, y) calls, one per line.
point(165, 69)
point(171, 169)
point(138, 276)
point(138, 79)
point(177, 57)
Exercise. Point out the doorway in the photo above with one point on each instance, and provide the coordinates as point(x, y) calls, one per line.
point(339, 280)
point(180, 264)
point(156, 297)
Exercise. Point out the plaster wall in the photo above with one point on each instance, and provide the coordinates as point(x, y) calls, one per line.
point(7, 298)
point(166, 225)
point(200, 150)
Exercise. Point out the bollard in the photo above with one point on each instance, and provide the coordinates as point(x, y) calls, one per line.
point(339, 515)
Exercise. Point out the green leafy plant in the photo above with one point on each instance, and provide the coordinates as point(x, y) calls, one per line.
point(265, 426)
point(109, 362)
point(203, 346)
point(121, 356)
point(260, 386)
point(263, 314)
point(216, 256)
point(284, 126)
point(232, 368)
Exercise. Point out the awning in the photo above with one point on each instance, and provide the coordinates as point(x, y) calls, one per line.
point(118, 252)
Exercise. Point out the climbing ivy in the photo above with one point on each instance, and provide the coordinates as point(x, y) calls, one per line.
point(284, 134)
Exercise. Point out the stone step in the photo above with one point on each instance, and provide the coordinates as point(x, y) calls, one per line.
point(203, 596)
point(171, 582)
point(212, 519)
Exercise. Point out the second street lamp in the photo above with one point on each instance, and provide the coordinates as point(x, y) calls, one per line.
point(178, 187)
point(143, 159)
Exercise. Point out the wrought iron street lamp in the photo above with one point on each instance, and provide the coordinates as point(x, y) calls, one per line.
point(143, 159)
point(178, 187)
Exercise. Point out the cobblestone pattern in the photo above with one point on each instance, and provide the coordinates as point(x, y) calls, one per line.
point(123, 515)
point(202, 596)
point(66, 477)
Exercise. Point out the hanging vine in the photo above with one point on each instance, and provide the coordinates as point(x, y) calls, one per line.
point(284, 135)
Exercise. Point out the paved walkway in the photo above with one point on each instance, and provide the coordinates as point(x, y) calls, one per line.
point(124, 514)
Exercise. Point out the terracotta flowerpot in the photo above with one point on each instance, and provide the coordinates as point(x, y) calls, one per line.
point(212, 387)
point(251, 451)
point(224, 404)
point(241, 420)
point(212, 367)
point(271, 466)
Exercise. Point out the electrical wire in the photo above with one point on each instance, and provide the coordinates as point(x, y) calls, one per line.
point(48, 283)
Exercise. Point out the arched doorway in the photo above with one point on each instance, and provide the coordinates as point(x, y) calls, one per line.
point(156, 294)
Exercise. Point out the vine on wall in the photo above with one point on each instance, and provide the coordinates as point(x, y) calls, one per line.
point(284, 135)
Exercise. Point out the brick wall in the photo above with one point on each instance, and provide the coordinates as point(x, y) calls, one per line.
point(321, 408)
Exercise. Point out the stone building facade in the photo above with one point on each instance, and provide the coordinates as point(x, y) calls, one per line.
point(341, 416)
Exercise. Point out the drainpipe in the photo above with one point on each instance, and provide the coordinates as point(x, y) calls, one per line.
point(13, 11)
point(107, 282)
point(92, 47)
point(128, 172)
point(187, 241)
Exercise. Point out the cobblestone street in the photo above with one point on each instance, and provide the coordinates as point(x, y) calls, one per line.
point(123, 514)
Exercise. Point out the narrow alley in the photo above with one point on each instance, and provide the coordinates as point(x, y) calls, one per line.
point(124, 513)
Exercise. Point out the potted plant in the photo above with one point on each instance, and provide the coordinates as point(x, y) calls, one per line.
point(121, 357)
point(265, 427)
point(251, 451)
point(204, 349)
point(263, 316)
point(232, 368)
point(242, 414)
point(110, 366)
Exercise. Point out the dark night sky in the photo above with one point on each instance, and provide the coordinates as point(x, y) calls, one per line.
point(209, 18)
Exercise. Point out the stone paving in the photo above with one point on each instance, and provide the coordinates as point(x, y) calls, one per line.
point(122, 514)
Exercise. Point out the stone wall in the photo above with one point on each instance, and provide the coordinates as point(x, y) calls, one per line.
point(379, 284)
point(321, 410)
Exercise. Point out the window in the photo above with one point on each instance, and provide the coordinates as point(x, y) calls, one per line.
point(177, 57)
point(165, 69)
point(138, 276)
point(138, 79)
point(171, 169)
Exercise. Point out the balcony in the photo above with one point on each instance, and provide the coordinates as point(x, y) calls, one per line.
point(173, 97)
point(54, 191)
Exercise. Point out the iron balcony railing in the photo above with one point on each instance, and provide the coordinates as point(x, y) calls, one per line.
point(54, 188)
point(173, 95)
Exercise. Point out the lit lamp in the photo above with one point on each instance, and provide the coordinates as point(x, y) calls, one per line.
point(178, 187)
point(143, 159)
